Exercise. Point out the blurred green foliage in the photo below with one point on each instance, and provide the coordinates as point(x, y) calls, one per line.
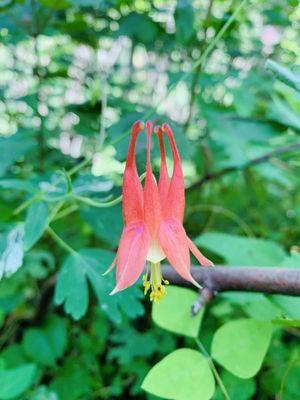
point(75, 74)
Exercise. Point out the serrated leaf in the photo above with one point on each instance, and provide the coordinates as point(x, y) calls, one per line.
point(240, 346)
point(183, 374)
point(173, 313)
point(71, 288)
point(129, 344)
point(15, 382)
point(35, 223)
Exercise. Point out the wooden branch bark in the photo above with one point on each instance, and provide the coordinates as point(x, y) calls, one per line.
point(217, 279)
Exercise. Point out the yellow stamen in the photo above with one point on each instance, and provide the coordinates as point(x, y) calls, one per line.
point(156, 283)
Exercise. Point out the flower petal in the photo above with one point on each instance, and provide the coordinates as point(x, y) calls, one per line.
point(132, 253)
point(176, 198)
point(132, 187)
point(173, 240)
point(197, 253)
point(152, 212)
point(164, 180)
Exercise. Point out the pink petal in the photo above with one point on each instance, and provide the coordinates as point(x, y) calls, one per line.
point(176, 197)
point(132, 253)
point(164, 180)
point(132, 187)
point(152, 212)
point(173, 240)
point(197, 253)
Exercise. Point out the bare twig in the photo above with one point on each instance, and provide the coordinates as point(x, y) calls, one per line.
point(258, 160)
point(205, 296)
point(217, 279)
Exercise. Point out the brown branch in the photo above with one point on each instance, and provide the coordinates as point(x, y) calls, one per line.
point(217, 279)
point(258, 160)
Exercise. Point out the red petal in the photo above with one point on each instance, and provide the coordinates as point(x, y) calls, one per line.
point(197, 253)
point(173, 240)
point(131, 256)
point(152, 211)
point(164, 180)
point(176, 198)
point(132, 187)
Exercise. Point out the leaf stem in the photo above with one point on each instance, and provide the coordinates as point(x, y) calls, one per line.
point(98, 204)
point(25, 204)
point(214, 369)
point(61, 242)
point(65, 212)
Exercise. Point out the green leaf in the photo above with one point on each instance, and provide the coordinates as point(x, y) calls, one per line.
point(46, 345)
point(183, 374)
point(173, 313)
point(284, 74)
point(292, 261)
point(72, 381)
point(13, 355)
point(35, 223)
point(281, 112)
point(71, 288)
point(18, 184)
point(12, 148)
point(56, 331)
point(255, 305)
point(139, 27)
point(39, 263)
point(130, 344)
point(285, 322)
point(11, 251)
point(290, 305)
point(105, 222)
point(15, 382)
point(55, 5)
point(184, 21)
point(240, 346)
point(238, 140)
point(37, 347)
point(242, 251)
point(291, 387)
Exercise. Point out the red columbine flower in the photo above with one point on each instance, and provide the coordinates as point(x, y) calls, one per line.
point(153, 220)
